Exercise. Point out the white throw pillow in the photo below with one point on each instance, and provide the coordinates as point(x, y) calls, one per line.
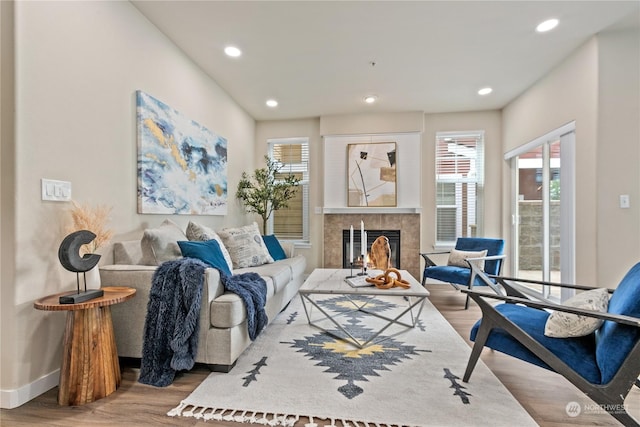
point(161, 244)
point(202, 233)
point(245, 245)
point(565, 325)
point(458, 258)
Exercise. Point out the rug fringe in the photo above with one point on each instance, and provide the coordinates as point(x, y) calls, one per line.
point(264, 418)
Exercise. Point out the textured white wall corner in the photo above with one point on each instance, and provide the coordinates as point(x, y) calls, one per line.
point(10, 399)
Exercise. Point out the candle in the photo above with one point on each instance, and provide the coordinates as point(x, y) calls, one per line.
point(351, 245)
point(363, 240)
point(365, 247)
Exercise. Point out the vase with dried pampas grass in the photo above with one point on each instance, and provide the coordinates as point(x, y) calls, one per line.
point(94, 219)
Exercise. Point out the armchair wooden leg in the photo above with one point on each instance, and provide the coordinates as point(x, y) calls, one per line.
point(466, 303)
point(481, 339)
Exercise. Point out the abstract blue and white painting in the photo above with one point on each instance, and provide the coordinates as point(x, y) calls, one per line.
point(182, 165)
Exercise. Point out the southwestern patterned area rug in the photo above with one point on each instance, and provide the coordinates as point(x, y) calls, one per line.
point(412, 378)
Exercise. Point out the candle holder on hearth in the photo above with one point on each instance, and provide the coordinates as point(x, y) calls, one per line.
point(351, 275)
point(363, 271)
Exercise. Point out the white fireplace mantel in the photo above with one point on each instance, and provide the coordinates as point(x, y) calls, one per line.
point(371, 211)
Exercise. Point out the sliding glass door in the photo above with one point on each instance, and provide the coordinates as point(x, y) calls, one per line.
point(543, 242)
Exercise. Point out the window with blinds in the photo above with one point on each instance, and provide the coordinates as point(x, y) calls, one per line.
point(459, 185)
point(292, 223)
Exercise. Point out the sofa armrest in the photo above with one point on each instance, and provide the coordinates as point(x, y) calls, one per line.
point(213, 287)
point(129, 318)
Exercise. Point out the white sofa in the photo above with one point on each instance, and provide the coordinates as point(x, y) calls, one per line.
point(223, 332)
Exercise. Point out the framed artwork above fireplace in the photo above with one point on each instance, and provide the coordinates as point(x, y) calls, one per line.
point(371, 174)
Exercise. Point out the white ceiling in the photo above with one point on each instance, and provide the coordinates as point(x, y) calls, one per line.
point(315, 57)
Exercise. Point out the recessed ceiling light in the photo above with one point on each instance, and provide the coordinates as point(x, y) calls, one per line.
point(272, 103)
point(232, 51)
point(370, 99)
point(485, 91)
point(547, 25)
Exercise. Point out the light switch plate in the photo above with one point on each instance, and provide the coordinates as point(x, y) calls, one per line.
point(624, 201)
point(56, 191)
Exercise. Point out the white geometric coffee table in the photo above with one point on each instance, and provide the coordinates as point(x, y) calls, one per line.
point(325, 281)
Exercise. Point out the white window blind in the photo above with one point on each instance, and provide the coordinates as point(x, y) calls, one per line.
point(459, 185)
point(292, 223)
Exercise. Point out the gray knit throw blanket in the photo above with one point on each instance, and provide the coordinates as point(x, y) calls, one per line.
point(171, 327)
point(173, 313)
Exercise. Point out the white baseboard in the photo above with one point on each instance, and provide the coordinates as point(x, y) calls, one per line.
point(10, 399)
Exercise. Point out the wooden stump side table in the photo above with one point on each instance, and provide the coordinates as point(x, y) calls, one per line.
point(90, 368)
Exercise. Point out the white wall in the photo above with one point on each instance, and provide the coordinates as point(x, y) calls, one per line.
point(309, 128)
point(618, 153)
point(488, 121)
point(598, 87)
point(78, 65)
point(569, 92)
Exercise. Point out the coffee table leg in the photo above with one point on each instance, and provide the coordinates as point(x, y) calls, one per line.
point(361, 343)
point(90, 368)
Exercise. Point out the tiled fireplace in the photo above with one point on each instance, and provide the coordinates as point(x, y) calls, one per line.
point(407, 223)
point(393, 237)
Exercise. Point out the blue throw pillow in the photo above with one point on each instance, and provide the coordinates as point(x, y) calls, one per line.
point(274, 247)
point(208, 252)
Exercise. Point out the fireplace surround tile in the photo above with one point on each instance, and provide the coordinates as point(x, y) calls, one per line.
point(408, 224)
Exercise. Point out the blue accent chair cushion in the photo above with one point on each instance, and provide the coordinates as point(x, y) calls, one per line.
point(493, 247)
point(578, 353)
point(460, 275)
point(453, 274)
point(614, 340)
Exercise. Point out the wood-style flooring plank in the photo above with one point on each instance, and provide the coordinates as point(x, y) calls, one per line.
point(542, 393)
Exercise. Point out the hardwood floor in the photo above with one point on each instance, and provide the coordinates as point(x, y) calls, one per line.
point(542, 393)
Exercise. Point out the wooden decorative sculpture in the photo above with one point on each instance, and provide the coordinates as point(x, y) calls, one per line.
point(381, 253)
point(386, 281)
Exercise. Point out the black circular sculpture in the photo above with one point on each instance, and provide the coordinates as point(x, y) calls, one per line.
point(69, 252)
point(69, 256)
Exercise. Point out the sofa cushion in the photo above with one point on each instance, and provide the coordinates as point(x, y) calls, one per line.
point(201, 233)
point(245, 245)
point(208, 252)
point(297, 264)
point(127, 252)
point(161, 244)
point(275, 249)
point(279, 272)
point(228, 310)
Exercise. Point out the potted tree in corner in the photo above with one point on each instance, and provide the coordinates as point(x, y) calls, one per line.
point(265, 192)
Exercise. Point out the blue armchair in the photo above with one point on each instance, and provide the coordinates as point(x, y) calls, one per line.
point(458, 275)
point(604, 364)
